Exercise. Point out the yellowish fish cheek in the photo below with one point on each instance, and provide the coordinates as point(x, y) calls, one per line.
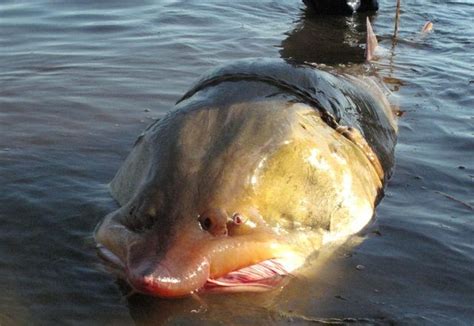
point(319, 180)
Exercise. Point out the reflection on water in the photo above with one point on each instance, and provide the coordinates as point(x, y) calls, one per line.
point(80, 79)
point(326, 39)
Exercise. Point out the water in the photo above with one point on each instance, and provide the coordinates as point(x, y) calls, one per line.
point(80, 79)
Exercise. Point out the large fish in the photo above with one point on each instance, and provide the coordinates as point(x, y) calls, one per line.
point(259, 164)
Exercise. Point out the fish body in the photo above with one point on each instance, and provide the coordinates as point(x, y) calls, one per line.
point(259, 165)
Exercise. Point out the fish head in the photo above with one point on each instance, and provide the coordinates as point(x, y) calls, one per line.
point(233, 199)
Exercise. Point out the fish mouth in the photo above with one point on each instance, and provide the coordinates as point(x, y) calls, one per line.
point(262, 276)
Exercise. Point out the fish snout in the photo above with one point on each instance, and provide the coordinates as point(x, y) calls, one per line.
point(175, 262)
point(168, 277)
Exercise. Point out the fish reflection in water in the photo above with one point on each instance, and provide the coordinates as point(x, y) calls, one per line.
point(326, 39)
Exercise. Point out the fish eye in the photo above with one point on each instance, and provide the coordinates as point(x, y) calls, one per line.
point(205, 222)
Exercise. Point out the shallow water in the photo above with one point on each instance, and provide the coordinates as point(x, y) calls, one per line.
point(79, 80)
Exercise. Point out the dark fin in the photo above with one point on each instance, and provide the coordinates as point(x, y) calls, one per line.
point(371, 42)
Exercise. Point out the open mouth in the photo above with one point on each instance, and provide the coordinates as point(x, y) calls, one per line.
point(262, 276)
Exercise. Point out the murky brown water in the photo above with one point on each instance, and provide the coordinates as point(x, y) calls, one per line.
point(79, 80)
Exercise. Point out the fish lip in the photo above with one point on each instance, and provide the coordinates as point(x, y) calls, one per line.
point(165, 285)
point(274, 273)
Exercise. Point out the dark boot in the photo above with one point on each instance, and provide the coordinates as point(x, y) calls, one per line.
point(341, 7)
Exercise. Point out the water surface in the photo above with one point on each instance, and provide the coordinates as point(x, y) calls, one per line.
point(79, 80)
